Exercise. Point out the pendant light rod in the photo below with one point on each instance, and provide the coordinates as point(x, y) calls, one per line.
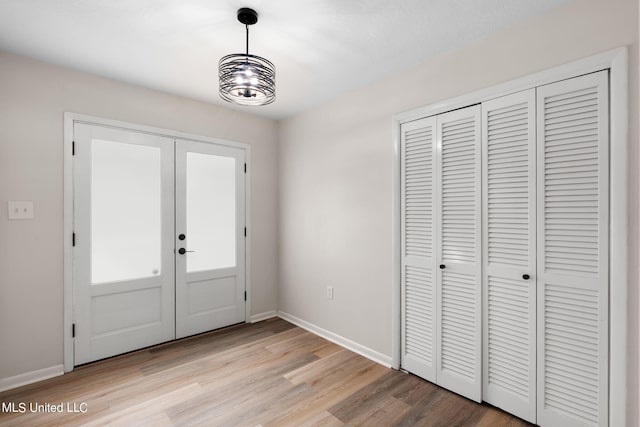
point(247, 16)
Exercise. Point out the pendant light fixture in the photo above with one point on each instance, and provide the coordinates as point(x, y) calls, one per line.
point(247, 79)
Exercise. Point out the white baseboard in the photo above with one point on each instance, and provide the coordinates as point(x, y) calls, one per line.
point(263, 316)
point(377, 357)
point(31, 377)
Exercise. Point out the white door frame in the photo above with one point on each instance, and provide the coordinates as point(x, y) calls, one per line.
point(616, 61)
point(69, 120)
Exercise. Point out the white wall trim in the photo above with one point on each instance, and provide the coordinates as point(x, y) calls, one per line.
point(93, 120)
point(264, 316)
point(247, 239)
point(67, 251)
point(68, 220)
point(31, 377)
point(370, 354)
point(618, 232)
point(616, 61)
point(396, 218)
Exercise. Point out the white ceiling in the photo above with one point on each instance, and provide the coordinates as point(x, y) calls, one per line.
point(321, 48)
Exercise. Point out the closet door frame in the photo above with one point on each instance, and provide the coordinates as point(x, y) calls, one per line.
point(69, 118)
point(616, 61)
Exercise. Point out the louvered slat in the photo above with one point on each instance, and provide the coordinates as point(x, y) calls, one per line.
point(509, 343)
point(508, 155)
point(575, 117)
point(575, 391)
point(458, 325)
point(418, 193)
point(419, 313)
point(458, 190)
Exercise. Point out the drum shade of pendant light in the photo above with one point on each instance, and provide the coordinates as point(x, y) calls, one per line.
point(247, 79)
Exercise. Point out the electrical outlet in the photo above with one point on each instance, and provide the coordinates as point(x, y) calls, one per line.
point(329, 292)
point(20, 209)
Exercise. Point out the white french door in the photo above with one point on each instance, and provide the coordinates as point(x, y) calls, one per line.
point(210, 250)
point(141, 201)
point(123, 250)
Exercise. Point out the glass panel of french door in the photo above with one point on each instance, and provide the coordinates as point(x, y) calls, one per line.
point(210, 266)
point(123, 253)
point(211, 211)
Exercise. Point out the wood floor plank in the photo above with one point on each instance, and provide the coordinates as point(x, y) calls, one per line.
point(267, 405)
point(328, 396)
point(148, 409)
point(271, 373)
point(323, 419)
point(496, 417)
point(219, 396)
point(384, 412)
point(368, 398)
point(452, 410)
point(305, 341)
point(316, 370)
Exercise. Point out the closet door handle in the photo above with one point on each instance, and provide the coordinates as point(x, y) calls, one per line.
point(525, 276)
point(441, 266)
point(183, 251)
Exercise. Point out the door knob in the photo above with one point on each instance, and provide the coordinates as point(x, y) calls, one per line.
point(525, 276)
point(183, 251)
point(441, 266)
point(181, 237)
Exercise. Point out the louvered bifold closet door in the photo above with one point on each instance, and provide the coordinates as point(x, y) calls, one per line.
point(459, 252)
point(509, 253)
point(417, 222)
point(573, 159)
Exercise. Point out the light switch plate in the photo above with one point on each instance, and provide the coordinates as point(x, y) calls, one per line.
point(20, 209)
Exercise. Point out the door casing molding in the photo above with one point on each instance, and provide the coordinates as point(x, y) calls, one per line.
point(616, 61)
point(68, 219)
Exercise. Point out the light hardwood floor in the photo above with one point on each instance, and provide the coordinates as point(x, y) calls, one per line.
point(270, 373)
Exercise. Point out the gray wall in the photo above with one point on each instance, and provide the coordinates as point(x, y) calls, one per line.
point(336, 169)
point(33, 98)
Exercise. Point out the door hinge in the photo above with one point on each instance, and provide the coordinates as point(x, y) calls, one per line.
point(73, 148)
point(245, 168)
point(73, 330)
point(73, 239)
point(245, 295)
point(245, 232)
